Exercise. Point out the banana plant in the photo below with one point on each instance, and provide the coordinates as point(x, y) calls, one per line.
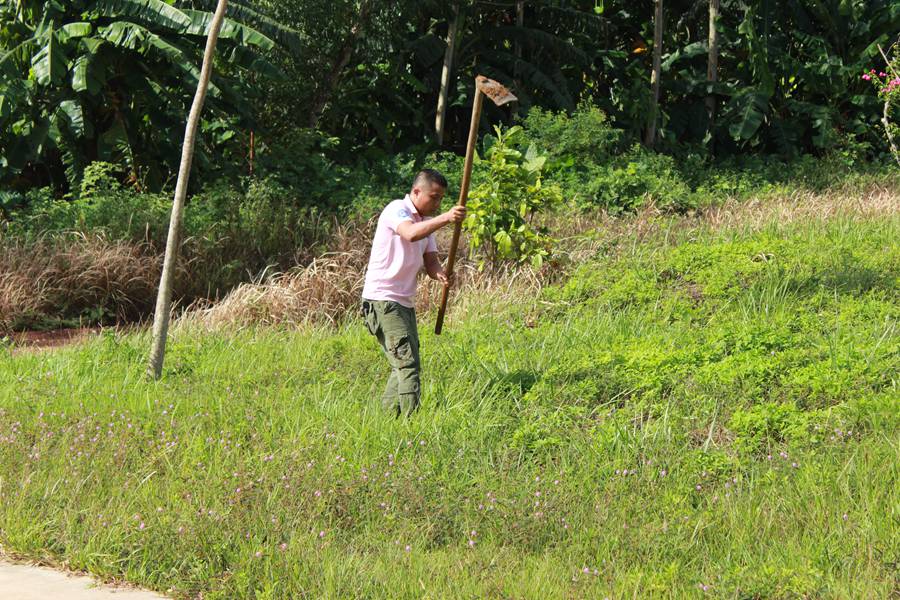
point(85, 80)
point(787, 77)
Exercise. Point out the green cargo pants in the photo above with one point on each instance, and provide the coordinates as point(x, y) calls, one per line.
point(394, 325)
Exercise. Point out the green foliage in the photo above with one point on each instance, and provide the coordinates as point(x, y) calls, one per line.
point(788, 85)
point(572, 140)
point(100, 177)
point(586, 160)
point(635, 180)
point(769, 425)
point(107, 208)
point(503, 209)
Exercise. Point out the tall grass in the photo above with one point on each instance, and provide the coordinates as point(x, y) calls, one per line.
point(695, 411)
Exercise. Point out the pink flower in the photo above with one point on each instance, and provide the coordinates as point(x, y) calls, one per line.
point(867, 77)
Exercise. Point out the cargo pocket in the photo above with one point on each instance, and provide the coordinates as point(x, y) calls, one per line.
point(401, 349)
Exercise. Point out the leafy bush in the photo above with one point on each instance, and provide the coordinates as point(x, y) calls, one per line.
point(887, 86)
point(637, 179)
point(502, 210)
point(586, 160)
point(583, 137)
point(117, 213)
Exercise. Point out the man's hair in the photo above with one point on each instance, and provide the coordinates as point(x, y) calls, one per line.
point(432, 177)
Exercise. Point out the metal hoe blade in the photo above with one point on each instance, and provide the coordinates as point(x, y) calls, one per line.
point(499, 94)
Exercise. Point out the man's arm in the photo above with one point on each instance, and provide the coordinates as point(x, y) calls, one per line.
point(413, 232)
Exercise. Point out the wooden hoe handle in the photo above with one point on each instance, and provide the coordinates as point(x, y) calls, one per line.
point(463, 198)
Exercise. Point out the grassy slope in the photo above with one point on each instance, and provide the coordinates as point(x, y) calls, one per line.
point(746, 382)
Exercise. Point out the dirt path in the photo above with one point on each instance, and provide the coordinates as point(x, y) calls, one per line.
point(40, 340)
point(25, 582)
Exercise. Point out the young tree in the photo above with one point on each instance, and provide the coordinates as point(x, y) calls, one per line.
point(164, 296)
point(650, 134)
point(712, 70)
point(330, 82)
point(449, 54)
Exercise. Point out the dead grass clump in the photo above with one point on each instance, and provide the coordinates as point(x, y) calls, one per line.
point(329, 288)
point(57, 278)
point(324, 290)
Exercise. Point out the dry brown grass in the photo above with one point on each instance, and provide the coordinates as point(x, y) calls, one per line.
point(328, 288)
point(585, 236)
point(70, 275)
point(873, 201)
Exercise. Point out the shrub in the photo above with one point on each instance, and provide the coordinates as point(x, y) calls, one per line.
point(503, 209)
point(106, 209)
point(581, 138)
point(637, 179)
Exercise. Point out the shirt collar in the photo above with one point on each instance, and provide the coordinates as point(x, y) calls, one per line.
point(410, 205)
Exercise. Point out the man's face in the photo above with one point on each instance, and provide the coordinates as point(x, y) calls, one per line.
point(427, 197)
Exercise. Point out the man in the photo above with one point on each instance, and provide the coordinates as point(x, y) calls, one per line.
point(404, 244)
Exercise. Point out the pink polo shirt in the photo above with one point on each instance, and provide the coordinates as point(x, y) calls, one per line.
point(395, 263)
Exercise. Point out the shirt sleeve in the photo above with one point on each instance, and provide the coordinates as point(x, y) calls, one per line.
point(432, 244)
point(396, 214)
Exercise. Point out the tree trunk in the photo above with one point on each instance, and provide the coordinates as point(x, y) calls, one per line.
point(520, 22)
point(164, 296)
point(252, 150)
point(444, 97)
point(329, 84)
point(712, 70)
point(650, 134)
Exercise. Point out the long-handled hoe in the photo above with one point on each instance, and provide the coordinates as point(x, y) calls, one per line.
point(500, 96)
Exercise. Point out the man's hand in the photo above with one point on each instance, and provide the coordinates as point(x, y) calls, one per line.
point(444, 277)
point(455, 214)
point(435, 270)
